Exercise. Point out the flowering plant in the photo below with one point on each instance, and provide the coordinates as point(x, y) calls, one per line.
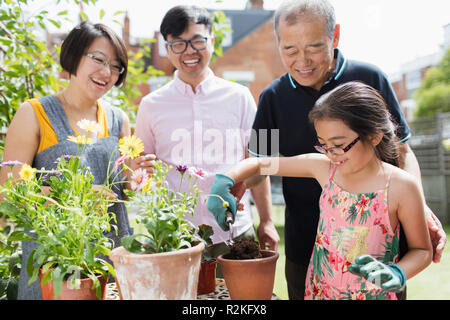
point(161, 210)
point(64, 214)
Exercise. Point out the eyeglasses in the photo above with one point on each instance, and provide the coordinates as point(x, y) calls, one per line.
point(115, 69)
point(335, 151)
point(180, 46)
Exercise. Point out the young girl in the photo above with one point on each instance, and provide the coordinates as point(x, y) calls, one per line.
point(364, 199)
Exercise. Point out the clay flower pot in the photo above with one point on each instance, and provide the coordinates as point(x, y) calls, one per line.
point(250, 279)
point(85, 292)
point(158, 276)
point(207, 277)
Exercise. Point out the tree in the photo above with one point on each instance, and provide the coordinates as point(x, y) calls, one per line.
point(434, 93)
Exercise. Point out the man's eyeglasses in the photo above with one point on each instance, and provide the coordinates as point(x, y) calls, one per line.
point(115, 68)
point(335, 151)
point(180, 46)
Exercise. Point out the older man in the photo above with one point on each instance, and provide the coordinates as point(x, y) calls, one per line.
point(308, 36)
point(200, 120)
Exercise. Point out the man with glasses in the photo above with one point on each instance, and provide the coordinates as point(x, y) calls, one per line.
point(201, 120)
point(307, 37)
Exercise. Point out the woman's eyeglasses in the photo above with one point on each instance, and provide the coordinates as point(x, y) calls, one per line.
point(115, 69)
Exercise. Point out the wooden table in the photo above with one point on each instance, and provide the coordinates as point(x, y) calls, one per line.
point(221, 292)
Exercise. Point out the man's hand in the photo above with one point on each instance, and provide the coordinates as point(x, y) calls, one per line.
point(437, 234)
point(388, 277)
point(220, 198)
point(268, 236)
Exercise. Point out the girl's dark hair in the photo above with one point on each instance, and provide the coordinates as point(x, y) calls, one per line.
point(79, 40)
point(177, 20)
point(363, 110)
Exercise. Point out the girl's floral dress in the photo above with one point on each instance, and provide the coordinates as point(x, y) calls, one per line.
point(350, 225)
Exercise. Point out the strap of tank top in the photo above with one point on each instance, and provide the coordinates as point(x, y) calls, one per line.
point(388, 181)
point(57, 117)
point(333, 171)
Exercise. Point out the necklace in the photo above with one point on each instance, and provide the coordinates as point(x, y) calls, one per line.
point(73, 117)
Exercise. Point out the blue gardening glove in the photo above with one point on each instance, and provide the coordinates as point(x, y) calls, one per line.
point(221, 187)
point(388, 277)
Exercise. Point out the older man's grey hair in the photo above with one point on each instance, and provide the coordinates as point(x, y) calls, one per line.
point(291, 11)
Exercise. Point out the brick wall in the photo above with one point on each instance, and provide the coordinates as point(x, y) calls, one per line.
point(258, 53)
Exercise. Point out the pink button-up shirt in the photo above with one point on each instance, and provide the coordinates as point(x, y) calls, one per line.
point(208, 129)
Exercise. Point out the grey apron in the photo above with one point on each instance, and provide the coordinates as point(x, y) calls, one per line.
point(96, 156)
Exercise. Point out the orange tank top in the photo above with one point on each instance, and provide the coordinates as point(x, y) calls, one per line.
point(48, 135)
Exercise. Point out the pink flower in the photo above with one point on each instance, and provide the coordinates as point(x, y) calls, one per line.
point(199, 173)
point(119, 161)
point(138, 179)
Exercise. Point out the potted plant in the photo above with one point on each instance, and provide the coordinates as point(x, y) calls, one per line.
point(207, 275)
point(67, 218)
point(249, 272)
point(164, 261)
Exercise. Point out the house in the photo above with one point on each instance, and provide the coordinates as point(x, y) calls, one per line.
point(411, 74)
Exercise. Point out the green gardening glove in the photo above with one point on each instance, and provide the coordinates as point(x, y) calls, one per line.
point(388, 277)
point(221, 187)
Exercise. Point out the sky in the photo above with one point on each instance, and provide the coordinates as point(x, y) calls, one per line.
point(387, 33)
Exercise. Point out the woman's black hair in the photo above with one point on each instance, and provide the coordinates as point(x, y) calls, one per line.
point(79, 40)
point(177, 20)
point(363, 110)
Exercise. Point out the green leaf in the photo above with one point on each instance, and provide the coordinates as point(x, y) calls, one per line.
point(55, 23)
point(102, 13)
point(58, 279)
point(132, 245)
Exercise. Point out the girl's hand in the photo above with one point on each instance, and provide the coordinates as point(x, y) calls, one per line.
point(388, 277)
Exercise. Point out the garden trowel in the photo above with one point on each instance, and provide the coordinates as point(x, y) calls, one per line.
point(229, 222)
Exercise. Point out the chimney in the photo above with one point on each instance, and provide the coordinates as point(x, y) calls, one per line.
point(126, 30)
point(255, 4)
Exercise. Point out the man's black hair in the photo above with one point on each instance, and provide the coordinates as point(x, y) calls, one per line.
point(177, 20)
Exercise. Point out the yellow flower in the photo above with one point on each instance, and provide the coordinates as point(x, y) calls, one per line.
point(89, 126)
point(27, 172)
point(132, 146)
point(147, 185)
point(80, 139)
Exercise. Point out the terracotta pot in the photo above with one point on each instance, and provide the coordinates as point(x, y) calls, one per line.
point(207, 277)
point(159, 276)
point(85, 292)
point(250, 279)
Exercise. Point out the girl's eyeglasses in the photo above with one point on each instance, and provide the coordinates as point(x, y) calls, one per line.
point(335, 151)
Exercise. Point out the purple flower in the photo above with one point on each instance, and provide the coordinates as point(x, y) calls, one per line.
point(66, 157)
point(181, 169)
point(11, 163)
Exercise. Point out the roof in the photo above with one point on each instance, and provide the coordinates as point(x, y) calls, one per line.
point(244, 22)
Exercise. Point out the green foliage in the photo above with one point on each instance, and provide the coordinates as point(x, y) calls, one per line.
point(68, 223)
point(220, 26)
point(434, 93)
point(10, 264)
point(28, 68)
point(162, 212)
point(205, 232)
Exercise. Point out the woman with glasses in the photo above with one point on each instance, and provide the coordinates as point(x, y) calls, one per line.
point(355, 255)
point(95, 59)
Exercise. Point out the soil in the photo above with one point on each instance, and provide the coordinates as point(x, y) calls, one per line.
point(244, 249)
